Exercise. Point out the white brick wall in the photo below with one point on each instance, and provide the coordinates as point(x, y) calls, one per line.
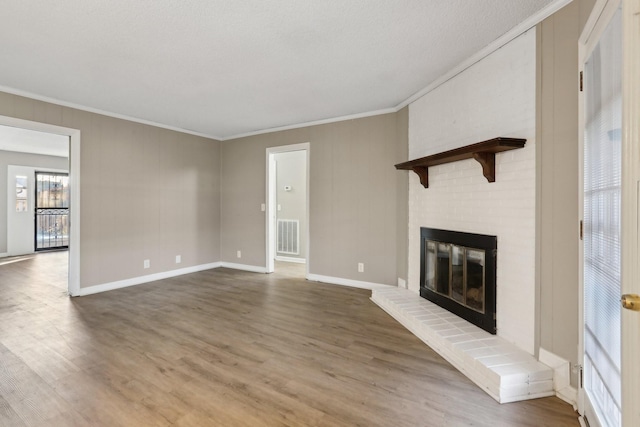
point(495, 97)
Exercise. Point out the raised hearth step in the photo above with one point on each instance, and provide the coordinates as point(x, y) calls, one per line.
point(504, 371)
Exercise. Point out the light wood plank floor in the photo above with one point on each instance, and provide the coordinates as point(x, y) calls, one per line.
point(225, 348)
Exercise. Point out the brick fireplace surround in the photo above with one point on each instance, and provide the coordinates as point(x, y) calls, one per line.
point(494, 97)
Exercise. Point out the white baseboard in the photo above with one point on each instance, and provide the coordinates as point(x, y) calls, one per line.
point(291, 259)
point(561, 376)
point(244, 267)
point(4, 255)
point(570, 395)
point(346, 282)
point(145, 279)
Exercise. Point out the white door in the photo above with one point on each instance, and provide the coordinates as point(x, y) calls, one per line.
point(610, 389)
point(20, 200)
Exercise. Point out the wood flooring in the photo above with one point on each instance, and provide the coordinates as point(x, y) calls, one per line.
point(226, 348)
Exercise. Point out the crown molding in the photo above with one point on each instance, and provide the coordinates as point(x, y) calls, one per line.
point(56, 101)
point(313, 123)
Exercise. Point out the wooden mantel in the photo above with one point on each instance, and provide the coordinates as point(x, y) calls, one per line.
point(484, 152)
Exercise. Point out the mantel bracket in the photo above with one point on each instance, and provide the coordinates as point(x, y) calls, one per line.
point(488, 162)
point(423, 173)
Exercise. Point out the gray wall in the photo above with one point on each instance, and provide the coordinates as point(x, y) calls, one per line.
point(557, 172)
point(146, 193)
point(21, 159)
point(353, 201)
point(291, 170)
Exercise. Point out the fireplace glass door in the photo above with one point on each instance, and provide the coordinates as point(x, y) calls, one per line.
point(456, 272)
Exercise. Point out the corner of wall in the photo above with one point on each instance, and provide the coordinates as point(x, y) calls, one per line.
point(538, 218)
point(402, 197)
point(561, 376)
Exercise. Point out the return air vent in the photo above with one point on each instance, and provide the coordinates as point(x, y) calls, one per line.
point(288, 237)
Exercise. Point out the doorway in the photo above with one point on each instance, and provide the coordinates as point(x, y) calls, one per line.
point(73, 152)
point(287, 219)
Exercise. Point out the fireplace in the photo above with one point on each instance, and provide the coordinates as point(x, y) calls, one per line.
point(458, 272)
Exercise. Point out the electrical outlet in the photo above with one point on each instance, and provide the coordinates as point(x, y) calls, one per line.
point(147, 263)
point(360, 267)
point(239, 254)
point(178, 259)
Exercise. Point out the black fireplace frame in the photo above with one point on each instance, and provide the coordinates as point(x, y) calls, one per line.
point(489, 244)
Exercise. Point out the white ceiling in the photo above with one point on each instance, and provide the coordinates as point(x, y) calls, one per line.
point(225, 68)
point(30, 141)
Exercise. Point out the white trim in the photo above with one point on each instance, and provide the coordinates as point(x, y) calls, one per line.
point(74, 186)
point(270, 213)
point(4, 255)
point(570, 395)
point(291, 259)
point(599, 19)
point(243, 267)
point(313, 123)
point(631, 208)
point(74, 213)
point(145, 279)
point(80, 107)
point(346, 282)
point(561, 376)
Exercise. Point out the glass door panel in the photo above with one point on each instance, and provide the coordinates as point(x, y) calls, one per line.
point(602, 214)
point(52, 211)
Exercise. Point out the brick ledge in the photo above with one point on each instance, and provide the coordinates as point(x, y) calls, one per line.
point(502, 370)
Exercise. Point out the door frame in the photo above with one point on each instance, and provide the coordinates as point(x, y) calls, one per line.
point(630, 209)
point(601, 14)
point(270, 204)
point(600, 17)
point(74, 187)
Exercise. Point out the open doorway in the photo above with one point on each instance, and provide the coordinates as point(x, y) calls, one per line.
point(26, 149)
point(288, 210)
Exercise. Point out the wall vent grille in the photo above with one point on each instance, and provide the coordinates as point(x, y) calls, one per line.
point(288, 237)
